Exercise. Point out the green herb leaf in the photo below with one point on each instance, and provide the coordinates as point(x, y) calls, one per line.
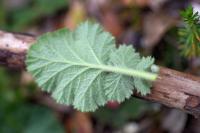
point(143, 85)
point(118, 86)
point(77, 67)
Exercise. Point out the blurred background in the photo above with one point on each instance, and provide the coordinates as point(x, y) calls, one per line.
point(151, 26)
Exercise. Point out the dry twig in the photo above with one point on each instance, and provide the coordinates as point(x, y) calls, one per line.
point(172, 88)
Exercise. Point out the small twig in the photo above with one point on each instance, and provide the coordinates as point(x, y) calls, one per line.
point(172, 88)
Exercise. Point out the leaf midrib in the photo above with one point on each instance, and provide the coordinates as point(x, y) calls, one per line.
point(108, 68)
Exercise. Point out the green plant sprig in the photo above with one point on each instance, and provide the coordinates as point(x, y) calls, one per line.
point(190, 33)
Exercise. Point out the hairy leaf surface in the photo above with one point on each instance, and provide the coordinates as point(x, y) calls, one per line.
point(118, 86)
point(143, 85)
point(83, 68)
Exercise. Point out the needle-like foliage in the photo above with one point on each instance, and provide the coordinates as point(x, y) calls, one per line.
point(190, 33)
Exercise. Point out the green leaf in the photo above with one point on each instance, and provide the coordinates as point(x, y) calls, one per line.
point(41, 120)
point(143, 85)
point(118, 86)
point(77, 66)
point(66, 67)
point(24, 117)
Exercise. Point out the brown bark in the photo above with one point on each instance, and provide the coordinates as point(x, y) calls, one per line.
point(176, 89)
point(13, 47)
point(172, 88)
